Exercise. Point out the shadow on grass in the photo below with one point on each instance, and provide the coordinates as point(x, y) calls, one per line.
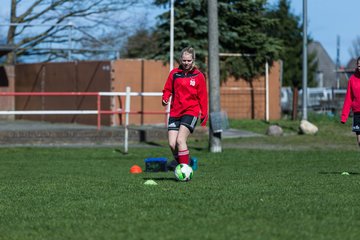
point(153, 144)
point(120, 151)
point(200, 149)
point(340, 173)
point(161, 179)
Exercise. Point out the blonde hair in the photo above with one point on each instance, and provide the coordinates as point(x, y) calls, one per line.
point(188, 50)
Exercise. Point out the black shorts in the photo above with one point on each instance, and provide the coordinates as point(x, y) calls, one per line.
point(186, 120)
point(356, 123)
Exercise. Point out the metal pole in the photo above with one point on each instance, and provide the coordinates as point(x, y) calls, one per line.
point(171, 51)
point(304, 83)
point(267, 90)
point(127, 112)
point(171, 35)
point(99, 112)
point(214, 74)
point(337, 62)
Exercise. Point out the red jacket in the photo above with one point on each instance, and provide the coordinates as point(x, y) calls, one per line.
point(352, 98)
point(189, 94)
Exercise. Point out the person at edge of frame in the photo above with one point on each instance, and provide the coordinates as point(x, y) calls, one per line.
point(352, 101)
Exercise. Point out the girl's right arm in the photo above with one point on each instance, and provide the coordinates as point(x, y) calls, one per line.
point(167, 91)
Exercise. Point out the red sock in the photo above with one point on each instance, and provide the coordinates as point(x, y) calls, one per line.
point(184, 156)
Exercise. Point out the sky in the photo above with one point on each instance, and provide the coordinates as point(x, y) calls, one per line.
point(327, 19)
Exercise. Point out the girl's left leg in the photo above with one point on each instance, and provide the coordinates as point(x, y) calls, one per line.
point(181, 143)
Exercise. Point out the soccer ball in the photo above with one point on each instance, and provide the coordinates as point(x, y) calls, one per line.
point(183, 172)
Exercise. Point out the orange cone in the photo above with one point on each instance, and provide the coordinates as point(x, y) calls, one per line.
point(135, 169)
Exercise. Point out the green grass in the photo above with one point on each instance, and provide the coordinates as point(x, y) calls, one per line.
point(289, 127)
point(331, 134)
point(245, 192)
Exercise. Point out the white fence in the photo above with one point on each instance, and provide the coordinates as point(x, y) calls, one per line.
point(98, 111)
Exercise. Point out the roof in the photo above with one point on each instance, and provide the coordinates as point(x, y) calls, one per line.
point(325, 64)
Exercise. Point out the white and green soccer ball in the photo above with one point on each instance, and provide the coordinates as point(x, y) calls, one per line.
point(183, 172)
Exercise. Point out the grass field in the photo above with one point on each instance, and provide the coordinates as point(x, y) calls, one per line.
point(288, 187)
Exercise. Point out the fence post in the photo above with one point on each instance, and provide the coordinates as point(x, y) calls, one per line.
point(127, 112)
point(99, 111)
point(267, 113)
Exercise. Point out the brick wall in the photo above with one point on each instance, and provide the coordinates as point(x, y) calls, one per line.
point(240, 99)
point(245, 100)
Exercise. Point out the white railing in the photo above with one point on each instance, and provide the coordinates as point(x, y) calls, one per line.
point(127, 111)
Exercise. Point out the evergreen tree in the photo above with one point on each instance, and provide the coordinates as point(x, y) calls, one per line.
point(242, 29)
point(141, 44)
point(190, 29)
point(290, 30)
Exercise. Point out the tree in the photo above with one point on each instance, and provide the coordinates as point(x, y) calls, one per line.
point(190, 29)
point(57, 18)
point(242, 29)
point(141, 44)
point(289, 29)
point(355, 48)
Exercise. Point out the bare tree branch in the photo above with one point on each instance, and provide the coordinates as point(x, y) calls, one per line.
point(355, 50)
point(55, 17)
